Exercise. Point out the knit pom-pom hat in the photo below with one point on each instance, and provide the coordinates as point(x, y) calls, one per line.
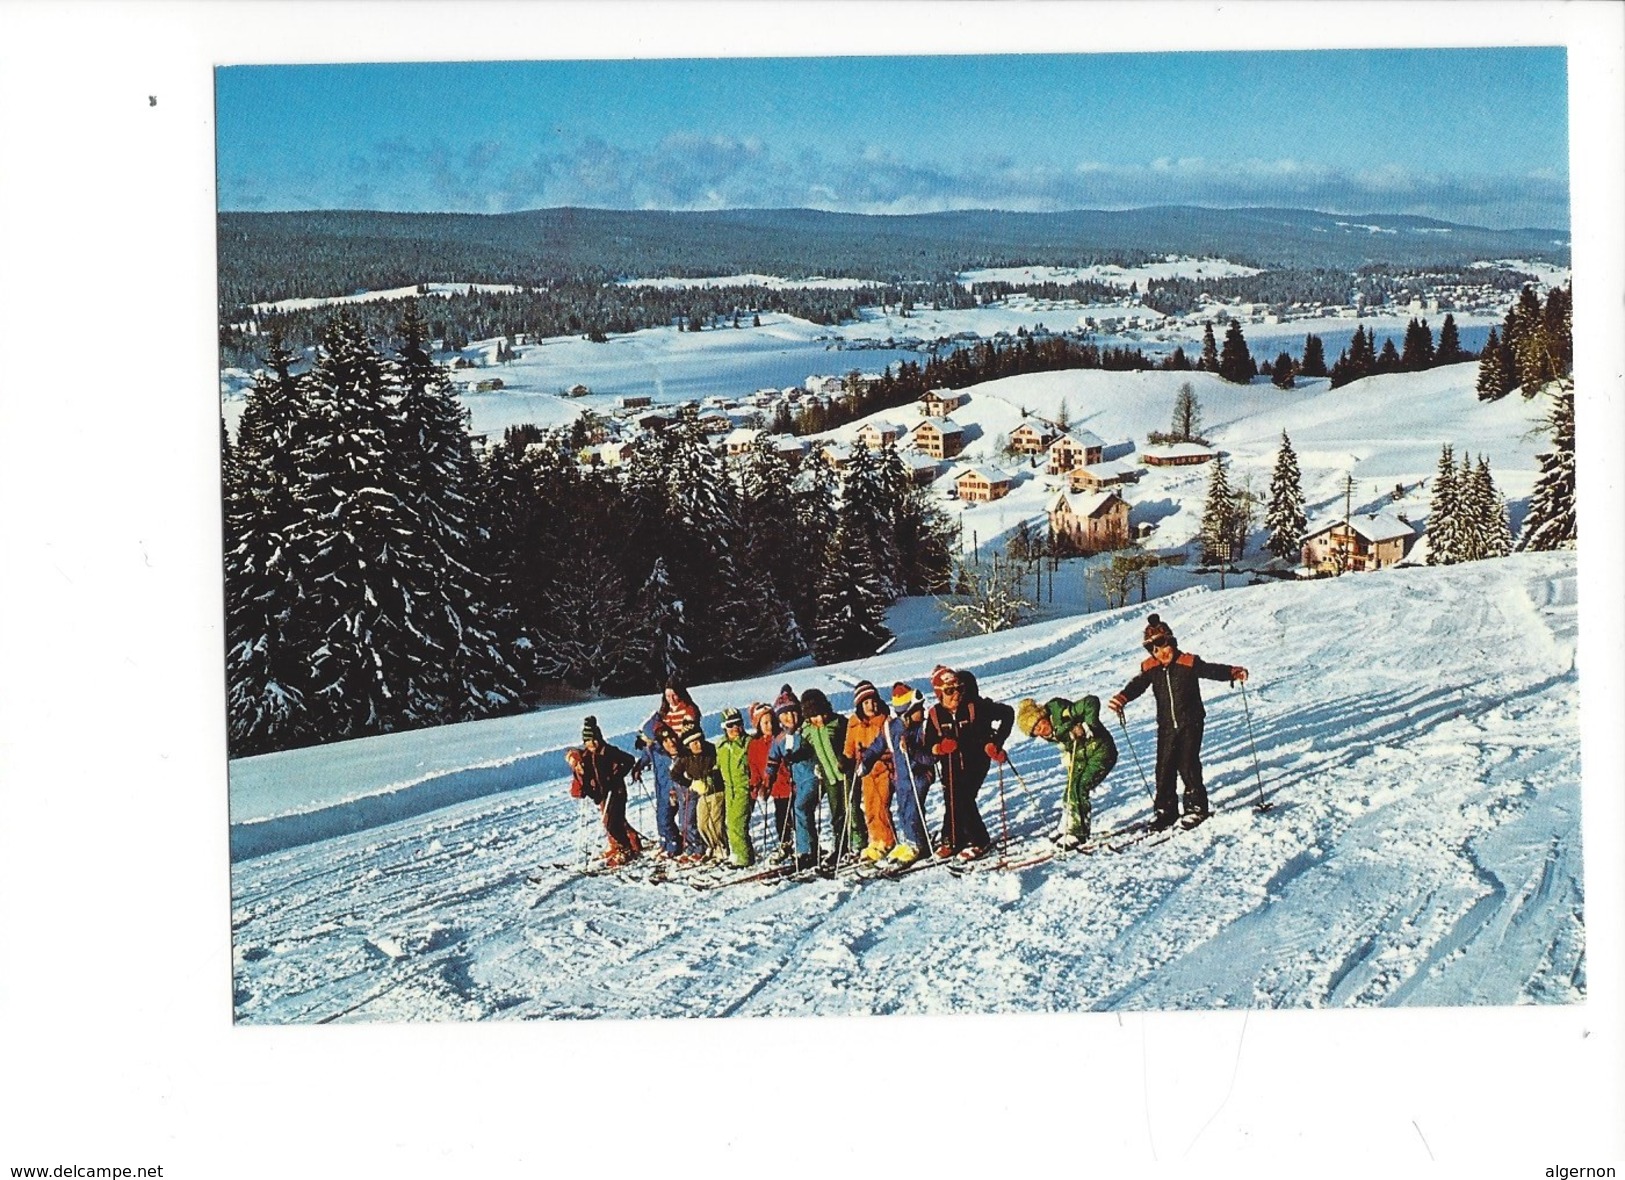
point(1028, 714)
point(786, 701)
point(590, 731)
point(1155, 629)
point(864, 690)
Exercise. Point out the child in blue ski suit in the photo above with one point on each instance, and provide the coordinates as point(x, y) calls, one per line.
point(792, 749)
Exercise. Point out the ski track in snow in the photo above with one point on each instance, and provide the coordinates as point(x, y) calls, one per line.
point(1416, 732)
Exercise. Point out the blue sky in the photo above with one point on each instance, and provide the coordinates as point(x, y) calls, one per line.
point(1469, 135)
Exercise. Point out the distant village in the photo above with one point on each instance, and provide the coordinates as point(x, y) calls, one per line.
point(1088, 515)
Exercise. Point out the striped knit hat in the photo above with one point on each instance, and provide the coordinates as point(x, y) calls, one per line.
point(864, 690)
point(734, 717)
point(786, 702)
point(590, 731)
point(1155, 629)
point(904, 698)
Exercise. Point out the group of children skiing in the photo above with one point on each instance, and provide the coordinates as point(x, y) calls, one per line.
point(873, 768)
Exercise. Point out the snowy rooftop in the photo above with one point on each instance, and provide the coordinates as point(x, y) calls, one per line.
point(1178, 450)
point(1373, 526)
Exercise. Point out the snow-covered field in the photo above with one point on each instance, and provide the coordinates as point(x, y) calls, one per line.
point(772, 282)
point(1416, 731)
point(440, 290)
point(1119, 276)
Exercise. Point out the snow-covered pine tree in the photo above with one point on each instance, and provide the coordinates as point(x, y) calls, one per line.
point(1217, 530)
point(1552, 519)
point(1442, 509)
point(596, 641)
point(664, 625)
point(1472, 510)
point(1285, 520)
point(1494, 533)
point(369, 578)
point(1492, 383)
point(771, 551)
point(434, 461)
point(1235, 361)
point(852, 598)
point(867, 499)
point(702, 533)
point(267, 664)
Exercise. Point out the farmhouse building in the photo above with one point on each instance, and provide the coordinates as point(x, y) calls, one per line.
point(979, 485)
point(1366, 541)
point(1093, 477)
point(1033, 435)
point(737, 442)
point(877, 435)
point(1185, 454)
point(941, 438)
point(1090, 522)
point(939, 403)
point(1074, 448)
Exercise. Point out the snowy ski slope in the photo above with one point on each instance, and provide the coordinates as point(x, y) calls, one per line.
point(1417, 731)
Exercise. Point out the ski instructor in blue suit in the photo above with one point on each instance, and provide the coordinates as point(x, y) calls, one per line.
point(1172, 677)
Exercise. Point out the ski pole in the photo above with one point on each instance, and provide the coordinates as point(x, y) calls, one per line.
point(1127, 741)
point(1019, 779)
point(1247, 714)
point(1004, 822)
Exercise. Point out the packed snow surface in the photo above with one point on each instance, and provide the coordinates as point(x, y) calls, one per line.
point(1416, 731)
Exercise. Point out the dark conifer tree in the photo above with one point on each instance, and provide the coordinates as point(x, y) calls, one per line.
point(1210, 350)
point(1388, 358)
point(1281, 375)
point(1314, 357)
point(1235, 362)
point(1417, 353)
point(1449, 351)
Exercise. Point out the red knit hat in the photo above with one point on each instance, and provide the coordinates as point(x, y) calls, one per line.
point(1155, 629)
point(943, 677)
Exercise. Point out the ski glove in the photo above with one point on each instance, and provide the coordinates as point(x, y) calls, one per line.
point(995, 753)
point(575, 788)
point(945, 747)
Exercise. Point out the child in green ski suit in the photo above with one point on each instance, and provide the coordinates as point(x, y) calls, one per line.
point(1088, 754)
point(733, 760)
